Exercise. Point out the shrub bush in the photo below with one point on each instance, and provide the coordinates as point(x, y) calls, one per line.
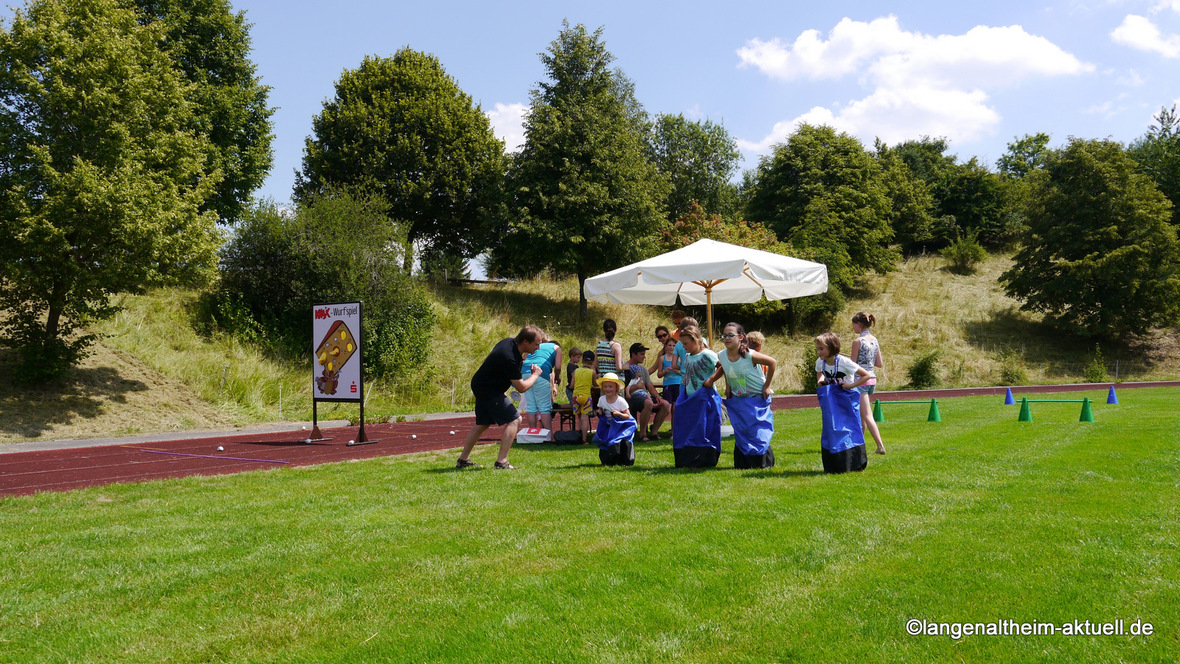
point(1012, 371)
point(923, 372)
point(1096, 369)
point(964, 253)
point(335, 248)
point(807, 370)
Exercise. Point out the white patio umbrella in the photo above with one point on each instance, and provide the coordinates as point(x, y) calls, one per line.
point(708, 271)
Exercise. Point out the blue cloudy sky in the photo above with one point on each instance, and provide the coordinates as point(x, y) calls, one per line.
point(978, 73)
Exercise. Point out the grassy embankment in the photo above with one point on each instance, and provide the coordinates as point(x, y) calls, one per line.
point(153, 372)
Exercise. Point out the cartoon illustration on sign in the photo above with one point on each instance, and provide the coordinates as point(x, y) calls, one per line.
point(334, 352)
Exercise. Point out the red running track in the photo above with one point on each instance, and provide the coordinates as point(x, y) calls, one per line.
point(23, 473)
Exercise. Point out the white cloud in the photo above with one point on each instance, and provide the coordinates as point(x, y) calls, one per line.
point(1107, 110)
point(917, 84)
point(781, 130)
point(1140, 33)
point(1174, 5)
point(849, 45)
point(508, 124)
point(1131, 79)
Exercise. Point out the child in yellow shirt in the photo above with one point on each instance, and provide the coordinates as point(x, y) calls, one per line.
point(582, 404)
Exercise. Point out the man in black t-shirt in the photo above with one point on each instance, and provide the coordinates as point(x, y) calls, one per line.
point(501, 370)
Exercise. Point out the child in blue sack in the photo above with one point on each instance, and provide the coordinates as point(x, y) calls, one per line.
point(616, 426)
point(696, 428)
point(842, 438)
point(747, 392)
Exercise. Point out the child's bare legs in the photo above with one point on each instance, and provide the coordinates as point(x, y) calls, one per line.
point(583, 421)
point(866, 419)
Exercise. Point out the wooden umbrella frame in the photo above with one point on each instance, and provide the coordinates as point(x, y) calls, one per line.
point(708, 286)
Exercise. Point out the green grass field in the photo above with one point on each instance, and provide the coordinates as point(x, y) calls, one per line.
point(977, 519)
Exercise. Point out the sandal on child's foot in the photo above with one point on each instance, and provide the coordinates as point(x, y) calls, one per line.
point(504, 465)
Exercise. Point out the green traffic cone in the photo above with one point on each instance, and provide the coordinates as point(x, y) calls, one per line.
point(934, 415)
point(878, 414)
point(1025, 411)
point(1087, 414)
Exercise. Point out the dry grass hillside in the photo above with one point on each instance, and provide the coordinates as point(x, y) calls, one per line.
point(152, 372)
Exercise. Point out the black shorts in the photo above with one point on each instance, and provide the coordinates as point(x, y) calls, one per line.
point(637, 401)
point(671, 393)
point(497, 410)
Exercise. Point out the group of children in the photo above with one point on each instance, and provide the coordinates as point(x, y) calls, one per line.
point(630, 408)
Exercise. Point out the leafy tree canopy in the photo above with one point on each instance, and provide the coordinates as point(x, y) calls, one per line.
point(402, 127)
point(980, 202)
point(926, 157)
point(210, 45)
point(1100, 255)
point(912, 213)
point(101, 177)
point(822, 189)
point(1158, 155)
point(1024, 155)
point(585, 195)
point(699, 158)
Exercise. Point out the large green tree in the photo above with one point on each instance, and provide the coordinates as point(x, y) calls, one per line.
point(968, 198)
point(1100, 255)
point(402, 127)
point(585, 195)
point(210, 45)
point(101, 176)
point(981, 203)
point(822, 189)
point(698, 157)
point(1158, 154)
point(912, 205)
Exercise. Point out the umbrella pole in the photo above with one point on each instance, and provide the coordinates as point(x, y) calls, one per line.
point(709, 312)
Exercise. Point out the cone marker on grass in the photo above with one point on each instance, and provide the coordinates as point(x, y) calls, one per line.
point(1025, 411)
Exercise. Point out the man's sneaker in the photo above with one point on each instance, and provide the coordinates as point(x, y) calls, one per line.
point(466, 463)
point(505, 466)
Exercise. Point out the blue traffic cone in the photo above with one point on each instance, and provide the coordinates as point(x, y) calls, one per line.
point(1111, 398)
point(1008, 400)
